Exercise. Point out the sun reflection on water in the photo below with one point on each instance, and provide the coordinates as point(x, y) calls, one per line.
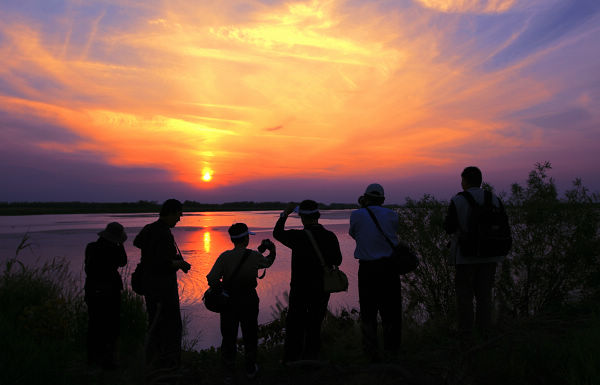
point(207, 242)
point(200, 249)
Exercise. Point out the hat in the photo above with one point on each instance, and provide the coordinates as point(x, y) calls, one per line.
point(239, 230)
point(114, 232)
point(307, 207)
point(374, 190)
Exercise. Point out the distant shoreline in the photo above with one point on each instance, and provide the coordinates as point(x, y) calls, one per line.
point(49, 208)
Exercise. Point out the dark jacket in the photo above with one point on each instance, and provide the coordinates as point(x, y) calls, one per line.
point(102, 261)
point(307, 271)
point(158, 252)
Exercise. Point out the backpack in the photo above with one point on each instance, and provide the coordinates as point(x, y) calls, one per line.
point(488, 232)
point(138, 284)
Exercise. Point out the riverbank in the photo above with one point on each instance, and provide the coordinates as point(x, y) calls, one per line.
point(43, 327)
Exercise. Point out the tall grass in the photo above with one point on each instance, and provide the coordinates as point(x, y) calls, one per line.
point(43, 325)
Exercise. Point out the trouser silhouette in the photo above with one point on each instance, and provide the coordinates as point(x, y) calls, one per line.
point(474, 281)
point(103, 327)
point(306, 312)
point(242, 311)
point(379, 291)
point(163, 345)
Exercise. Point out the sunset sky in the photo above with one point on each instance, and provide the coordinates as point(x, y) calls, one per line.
point(219, 101)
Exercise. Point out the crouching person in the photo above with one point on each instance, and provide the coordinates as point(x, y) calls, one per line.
point(236, 271)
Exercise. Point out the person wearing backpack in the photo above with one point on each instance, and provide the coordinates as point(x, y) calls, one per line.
point(162, 260)
point(236, 271)
point(480, 232)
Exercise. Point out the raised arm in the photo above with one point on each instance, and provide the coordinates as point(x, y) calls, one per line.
point(267, 260)
point(279, 232)
point(122, 256)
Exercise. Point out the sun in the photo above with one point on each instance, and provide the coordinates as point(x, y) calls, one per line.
point(207, 175)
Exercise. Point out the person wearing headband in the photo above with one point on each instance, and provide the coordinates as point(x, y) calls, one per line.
point(379, 288)
point(243, 299)
point(307, 300)
point(103, 285)
point(162, 259)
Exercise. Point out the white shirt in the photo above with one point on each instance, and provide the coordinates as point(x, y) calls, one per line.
point(370, 243)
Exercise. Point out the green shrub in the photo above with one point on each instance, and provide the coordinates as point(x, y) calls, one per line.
point(428, 292)
point(556, 246)
point(554, 259)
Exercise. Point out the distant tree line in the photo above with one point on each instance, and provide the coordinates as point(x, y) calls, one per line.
point(142, 206)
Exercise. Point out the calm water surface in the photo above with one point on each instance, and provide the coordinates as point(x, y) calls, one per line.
point(201, 238)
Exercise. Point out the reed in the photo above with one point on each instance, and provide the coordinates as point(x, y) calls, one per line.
point(43, 325)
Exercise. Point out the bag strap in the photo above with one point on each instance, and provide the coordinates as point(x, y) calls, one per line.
point(379, 228)
point(487, 199)
point(237, 268)
point(177, 248)
point(469, 198)
point(316, 247)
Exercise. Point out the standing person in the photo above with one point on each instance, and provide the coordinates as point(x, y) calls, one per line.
point(379, 288)
point(103, 287)
point(161, 259)
point(236, 270)
point(475, 275)
point(307, 300)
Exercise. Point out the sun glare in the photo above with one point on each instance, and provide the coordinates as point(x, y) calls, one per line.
point(206, 175)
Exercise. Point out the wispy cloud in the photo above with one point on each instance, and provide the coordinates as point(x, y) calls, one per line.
point(469, 6)
point(332, 88)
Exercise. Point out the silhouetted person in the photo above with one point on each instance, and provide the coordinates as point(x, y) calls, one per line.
point(161, 258)
point(236, 270)
point(475, 275)
point(379, 288)
point(307, 300)
point(103, 287)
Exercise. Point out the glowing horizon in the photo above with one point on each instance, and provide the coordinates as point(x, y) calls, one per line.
point(217, 95)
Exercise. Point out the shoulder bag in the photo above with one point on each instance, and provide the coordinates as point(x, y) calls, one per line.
point(403, 258)
point(334, 280)
point(216, 299)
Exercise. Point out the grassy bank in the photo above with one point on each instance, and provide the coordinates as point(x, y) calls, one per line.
point(43, 325)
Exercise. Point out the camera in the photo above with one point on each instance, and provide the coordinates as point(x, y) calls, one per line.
point(264, 245)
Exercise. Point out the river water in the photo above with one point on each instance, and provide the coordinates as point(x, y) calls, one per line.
point(201, 238)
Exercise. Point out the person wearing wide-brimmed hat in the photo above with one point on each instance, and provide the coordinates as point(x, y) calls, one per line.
point(379, 288)
point(103, 287)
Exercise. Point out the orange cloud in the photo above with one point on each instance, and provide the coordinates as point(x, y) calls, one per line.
point(474, 6)
point(303, 87)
